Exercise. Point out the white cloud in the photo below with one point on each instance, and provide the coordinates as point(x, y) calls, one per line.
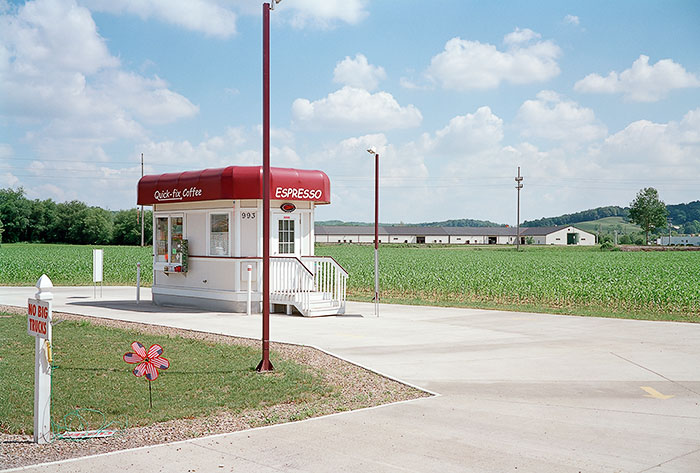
point(355, 109)
point(358, 72)
point(325, 13)
point(519, 36)
point(642, 82)
point(655, 146)
point(7, 179)
point(238, 146)
point(466, 65)
point(552, 117)
point(206, 16)
point(57, 74)
point(470, 133)
point(407, 83)
point(572, 20)
point(6, 150)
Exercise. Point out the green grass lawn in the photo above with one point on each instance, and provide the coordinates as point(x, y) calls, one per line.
point(204, 378)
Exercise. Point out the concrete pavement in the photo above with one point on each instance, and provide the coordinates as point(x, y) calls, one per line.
point(519, 392)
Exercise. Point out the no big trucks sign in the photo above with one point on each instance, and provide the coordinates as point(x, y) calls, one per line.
point(38, 318)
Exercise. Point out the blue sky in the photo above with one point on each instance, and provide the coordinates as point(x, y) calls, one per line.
point(594, 100)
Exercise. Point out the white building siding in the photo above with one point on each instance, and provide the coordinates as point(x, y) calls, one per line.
point(561, 237)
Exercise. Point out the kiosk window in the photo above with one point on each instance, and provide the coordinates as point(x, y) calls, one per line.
point(219, 235)
point(169, 235)
point(162, 239)
point(286, 236)
point(175, 239)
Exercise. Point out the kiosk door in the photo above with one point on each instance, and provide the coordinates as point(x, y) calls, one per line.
point(286, 235)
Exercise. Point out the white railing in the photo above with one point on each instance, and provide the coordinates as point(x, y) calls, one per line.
point(330, 279)
point(307, 280)
point(291, 283)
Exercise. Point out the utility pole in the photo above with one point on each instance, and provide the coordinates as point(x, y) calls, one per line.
point(142, 222)
point(519, 181)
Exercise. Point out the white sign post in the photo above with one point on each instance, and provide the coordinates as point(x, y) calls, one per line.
point(138, 282)
point(97, 256)
point(250, 271)
point(39, 325)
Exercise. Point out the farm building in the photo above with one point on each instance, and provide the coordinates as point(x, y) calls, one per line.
point(679, 240)
point(564, 235)
point(208, 240)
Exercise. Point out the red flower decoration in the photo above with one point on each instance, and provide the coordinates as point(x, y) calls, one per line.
point(148, 362)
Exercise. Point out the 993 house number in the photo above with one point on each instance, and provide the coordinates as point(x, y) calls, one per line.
point(247, 214)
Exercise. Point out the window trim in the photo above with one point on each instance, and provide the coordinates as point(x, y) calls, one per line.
point(160, 265)
point(229, 213)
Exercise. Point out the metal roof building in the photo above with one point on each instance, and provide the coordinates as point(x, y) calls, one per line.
point(562, 235)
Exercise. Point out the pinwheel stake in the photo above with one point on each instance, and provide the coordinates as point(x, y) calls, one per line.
point(147, 363)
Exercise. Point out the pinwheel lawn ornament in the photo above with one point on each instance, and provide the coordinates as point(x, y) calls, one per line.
point(147, 363)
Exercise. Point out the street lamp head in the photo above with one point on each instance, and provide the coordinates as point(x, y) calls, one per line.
point(372, 150)
point(273, 3)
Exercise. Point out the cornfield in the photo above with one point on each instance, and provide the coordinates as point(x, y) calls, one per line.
point(666, 283)
point(71, 265)
point(651, 282)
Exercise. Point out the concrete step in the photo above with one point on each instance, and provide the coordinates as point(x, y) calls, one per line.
point(321, 313)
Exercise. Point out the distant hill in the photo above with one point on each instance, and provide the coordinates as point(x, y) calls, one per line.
point(611, 218)
point(609, 225)
point(464, 222)
point(684, 213)
point(341, 223)
point(583, 216)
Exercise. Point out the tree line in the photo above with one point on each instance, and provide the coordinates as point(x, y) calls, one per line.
point(684, 216)
point(45, 221)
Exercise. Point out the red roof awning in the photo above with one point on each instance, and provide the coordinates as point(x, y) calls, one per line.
point(234, 182)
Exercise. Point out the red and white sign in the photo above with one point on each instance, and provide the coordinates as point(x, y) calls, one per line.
point(236, 183)
point(38, 318)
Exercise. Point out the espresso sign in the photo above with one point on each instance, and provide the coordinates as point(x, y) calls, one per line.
point(298, 193)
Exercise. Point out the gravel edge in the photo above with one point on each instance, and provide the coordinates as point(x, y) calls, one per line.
point(356, 388)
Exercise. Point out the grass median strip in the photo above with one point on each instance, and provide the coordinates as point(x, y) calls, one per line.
point(210, 387)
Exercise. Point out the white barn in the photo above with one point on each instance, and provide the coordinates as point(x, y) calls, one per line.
point(679, 240)
point(563, 235)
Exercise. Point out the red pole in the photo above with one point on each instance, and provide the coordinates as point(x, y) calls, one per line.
point(376, 234)
point(376, 201)
point(265, 364)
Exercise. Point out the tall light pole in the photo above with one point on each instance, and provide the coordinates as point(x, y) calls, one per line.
point(519, 181)
point(142, 222)
point(376, 230)
point(265, 364)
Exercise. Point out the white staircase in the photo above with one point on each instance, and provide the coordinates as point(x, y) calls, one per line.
point(314, 285)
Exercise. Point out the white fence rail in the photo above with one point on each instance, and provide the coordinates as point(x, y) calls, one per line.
point(330, 279)
point(301, 282)
point(290, 283)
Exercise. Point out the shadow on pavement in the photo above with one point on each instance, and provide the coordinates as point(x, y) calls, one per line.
point(143, 306)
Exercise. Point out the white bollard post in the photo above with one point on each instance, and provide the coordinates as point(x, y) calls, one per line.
point(39, 315)
point(250, 272)
point(138, 282)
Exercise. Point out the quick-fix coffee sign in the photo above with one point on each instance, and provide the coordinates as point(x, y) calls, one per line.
point(38, 318)
point(176, 195)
